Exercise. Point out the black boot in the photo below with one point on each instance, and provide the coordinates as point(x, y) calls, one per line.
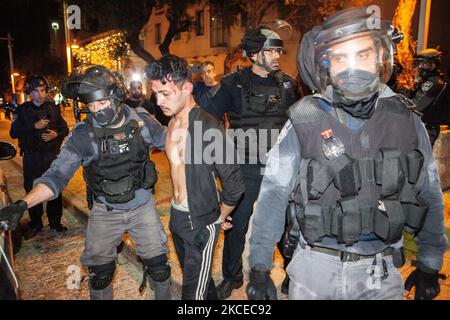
point(226, 287)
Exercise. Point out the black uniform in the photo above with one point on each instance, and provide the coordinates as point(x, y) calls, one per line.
point(432, 98)
point(38, 154)
point(252, 102)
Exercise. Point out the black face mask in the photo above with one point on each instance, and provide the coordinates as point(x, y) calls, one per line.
point(109, 116)
point(104, 116)
point(362, 109)
point(356, 84)
point(425, 73)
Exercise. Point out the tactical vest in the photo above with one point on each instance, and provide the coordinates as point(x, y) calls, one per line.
point(123, 164)
point(437, 111)
point(372, 187)
point(262, 107)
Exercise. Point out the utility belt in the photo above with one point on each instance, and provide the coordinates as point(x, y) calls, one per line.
point(349, 256)
point(395, 176)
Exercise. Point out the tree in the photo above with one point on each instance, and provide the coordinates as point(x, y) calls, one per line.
point(131, 16)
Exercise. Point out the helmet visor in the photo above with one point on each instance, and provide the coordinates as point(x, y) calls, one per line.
point(368, 54)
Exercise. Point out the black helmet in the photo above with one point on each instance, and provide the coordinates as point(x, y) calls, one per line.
point(428, 55)
point(92, 83)
point(316, 51)
point(34, 81)
point(266, 36)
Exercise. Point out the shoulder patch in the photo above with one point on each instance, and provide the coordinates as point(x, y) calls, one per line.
point(287, 84)
point(427, 85)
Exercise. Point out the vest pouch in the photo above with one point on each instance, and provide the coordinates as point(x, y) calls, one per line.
point(314, 227)
point(326, 173)
point(258, 103)
point(150, 175)
point(415, 216)
point(119, 191)
point(347, 221)
point(138, 150)
point(414, 163)
point(348, 180)
point(311, 173)
point(389, 172)
point(389, 220)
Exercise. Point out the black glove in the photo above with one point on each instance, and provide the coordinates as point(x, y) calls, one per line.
point(13, 213)
point(261, 286)
point(426, 282)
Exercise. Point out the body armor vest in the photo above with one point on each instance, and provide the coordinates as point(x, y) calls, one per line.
point(123, 164)
point(262, 107)
point(372, 187)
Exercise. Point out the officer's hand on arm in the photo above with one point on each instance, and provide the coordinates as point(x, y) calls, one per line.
point(13, 213)
point(49, 136)
point(426, 282)
point(261, 286)
point(41, 124)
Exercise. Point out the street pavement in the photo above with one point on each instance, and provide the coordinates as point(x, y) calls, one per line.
point(48, 265)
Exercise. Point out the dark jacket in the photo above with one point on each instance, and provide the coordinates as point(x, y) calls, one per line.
point(30, 140)
point(203, 194)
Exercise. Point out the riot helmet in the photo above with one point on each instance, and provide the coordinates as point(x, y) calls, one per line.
point(88, 84)
point(352, 51)
point(35, 81)
point(266, 38)
point(427, 61)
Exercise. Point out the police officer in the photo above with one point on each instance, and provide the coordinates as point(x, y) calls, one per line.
point(112, 145)
point(40, 129)
point(430, 93)
point(366, 172)
point(255, 98)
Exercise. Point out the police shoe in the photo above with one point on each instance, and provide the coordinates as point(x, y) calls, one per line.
point(285, 285)
point(225, 288)
point(59, 228)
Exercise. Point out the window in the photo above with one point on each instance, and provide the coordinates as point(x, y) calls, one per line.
point(217, 29)
point(158, 33)
point(200, 23)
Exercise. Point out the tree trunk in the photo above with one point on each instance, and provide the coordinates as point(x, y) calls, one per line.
point(133, 35)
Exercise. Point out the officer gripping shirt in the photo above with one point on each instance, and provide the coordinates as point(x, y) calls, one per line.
point(256, 99)
point(366, 173)
point(112, 144)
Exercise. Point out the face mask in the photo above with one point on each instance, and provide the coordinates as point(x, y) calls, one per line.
point(356, 84)
point(105, 116)
point(425, 73)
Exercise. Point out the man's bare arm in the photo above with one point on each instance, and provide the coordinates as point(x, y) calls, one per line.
point(38, 194)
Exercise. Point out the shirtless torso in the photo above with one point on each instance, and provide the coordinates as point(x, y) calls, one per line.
point(175, 150)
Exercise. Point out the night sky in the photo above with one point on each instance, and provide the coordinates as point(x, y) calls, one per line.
point(28, 21)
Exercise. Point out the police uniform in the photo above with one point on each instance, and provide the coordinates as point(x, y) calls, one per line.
point(119, 175)
point(252, 102)
point(431, 98)
point(361, 168)
point(351, 226)
point(38, 154)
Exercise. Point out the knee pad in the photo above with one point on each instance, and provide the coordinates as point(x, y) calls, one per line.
point(158, 268)
point(101, 275)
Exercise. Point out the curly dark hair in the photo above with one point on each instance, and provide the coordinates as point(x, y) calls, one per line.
point(169, 68)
